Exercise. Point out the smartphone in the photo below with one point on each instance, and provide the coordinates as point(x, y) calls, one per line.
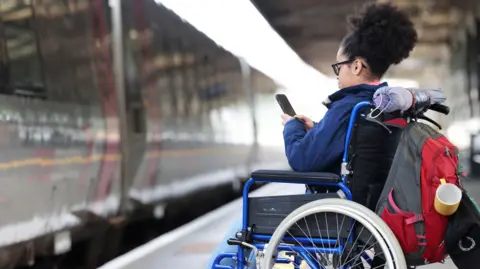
point(287, 108)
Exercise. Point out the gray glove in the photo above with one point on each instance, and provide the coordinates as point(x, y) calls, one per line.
point(389, 99)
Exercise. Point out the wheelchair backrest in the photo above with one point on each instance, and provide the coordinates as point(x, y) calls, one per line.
point(371, 151)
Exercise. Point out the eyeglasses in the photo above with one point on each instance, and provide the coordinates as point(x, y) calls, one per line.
point(336, 66)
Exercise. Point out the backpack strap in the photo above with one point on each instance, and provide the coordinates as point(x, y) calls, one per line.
point(414, 219)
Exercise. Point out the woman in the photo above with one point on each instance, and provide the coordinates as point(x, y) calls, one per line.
point(380, 35)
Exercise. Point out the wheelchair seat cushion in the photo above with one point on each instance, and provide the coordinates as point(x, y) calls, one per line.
point(284, 175)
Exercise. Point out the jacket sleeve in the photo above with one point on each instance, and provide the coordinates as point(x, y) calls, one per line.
point(319, 148)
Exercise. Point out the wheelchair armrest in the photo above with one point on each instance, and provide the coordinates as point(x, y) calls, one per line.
point(295, 177)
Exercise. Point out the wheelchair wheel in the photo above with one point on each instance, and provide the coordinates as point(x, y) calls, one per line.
point(359, 240)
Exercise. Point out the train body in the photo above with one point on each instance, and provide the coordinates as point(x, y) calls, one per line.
point(87, 144)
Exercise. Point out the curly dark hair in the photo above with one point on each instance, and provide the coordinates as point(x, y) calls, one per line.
point(382, 34)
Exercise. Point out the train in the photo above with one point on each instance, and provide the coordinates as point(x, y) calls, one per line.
point(113, 113)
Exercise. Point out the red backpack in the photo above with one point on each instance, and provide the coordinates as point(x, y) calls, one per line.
point(423, 157)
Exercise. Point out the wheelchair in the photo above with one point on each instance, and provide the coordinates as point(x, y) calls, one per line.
point(305, 230)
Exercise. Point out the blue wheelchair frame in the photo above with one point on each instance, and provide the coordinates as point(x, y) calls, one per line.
point(302, 251)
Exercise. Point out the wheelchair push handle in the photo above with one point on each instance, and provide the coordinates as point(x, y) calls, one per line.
point(440, 108)
point(435, 107)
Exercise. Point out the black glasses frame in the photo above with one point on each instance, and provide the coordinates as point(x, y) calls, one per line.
point(336, 66)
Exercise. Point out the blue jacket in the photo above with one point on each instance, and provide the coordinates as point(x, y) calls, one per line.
point(321, 148)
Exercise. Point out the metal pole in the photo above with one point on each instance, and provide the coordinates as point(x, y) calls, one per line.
point(118, 63)
point(247, 84)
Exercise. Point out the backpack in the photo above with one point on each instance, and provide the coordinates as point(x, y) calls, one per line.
point(406, 204)
point(462, 239)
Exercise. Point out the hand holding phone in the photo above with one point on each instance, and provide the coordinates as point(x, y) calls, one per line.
point(288, 109)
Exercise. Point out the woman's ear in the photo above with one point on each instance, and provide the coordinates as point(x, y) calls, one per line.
point(357, 67)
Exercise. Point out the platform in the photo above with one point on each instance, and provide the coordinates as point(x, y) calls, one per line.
point(190, 246)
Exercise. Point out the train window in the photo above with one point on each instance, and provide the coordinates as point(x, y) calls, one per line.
point(75, 49)
point(21, 72)
point(56, 49)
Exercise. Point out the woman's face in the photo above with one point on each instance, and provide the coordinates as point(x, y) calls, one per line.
point(345, 76)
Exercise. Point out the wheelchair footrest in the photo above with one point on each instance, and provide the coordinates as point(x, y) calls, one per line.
point(266, 213)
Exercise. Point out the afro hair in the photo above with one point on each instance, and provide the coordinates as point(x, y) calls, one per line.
point(382, 34)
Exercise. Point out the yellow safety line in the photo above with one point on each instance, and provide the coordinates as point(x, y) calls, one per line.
point(45, 162)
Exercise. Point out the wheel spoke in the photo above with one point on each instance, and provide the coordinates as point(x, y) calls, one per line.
point(351, 255)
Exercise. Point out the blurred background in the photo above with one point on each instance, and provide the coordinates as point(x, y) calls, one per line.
point(121, 120)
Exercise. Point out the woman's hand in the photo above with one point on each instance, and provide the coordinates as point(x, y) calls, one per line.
point(306, 120)
point(286, 118)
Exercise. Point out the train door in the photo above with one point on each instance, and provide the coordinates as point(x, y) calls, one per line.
point(141, 101)
point(135, 52)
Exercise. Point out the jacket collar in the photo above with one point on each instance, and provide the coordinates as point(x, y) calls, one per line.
point(352, 90)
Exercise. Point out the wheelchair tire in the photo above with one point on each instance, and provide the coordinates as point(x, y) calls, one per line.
point(374, 224)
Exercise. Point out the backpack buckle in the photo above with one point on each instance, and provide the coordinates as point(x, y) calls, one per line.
point(416, 218)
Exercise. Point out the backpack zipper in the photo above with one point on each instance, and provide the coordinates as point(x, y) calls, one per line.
point(446, 150)
point(431, 176)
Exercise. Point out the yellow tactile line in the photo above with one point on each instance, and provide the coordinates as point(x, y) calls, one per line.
point(45, 162)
